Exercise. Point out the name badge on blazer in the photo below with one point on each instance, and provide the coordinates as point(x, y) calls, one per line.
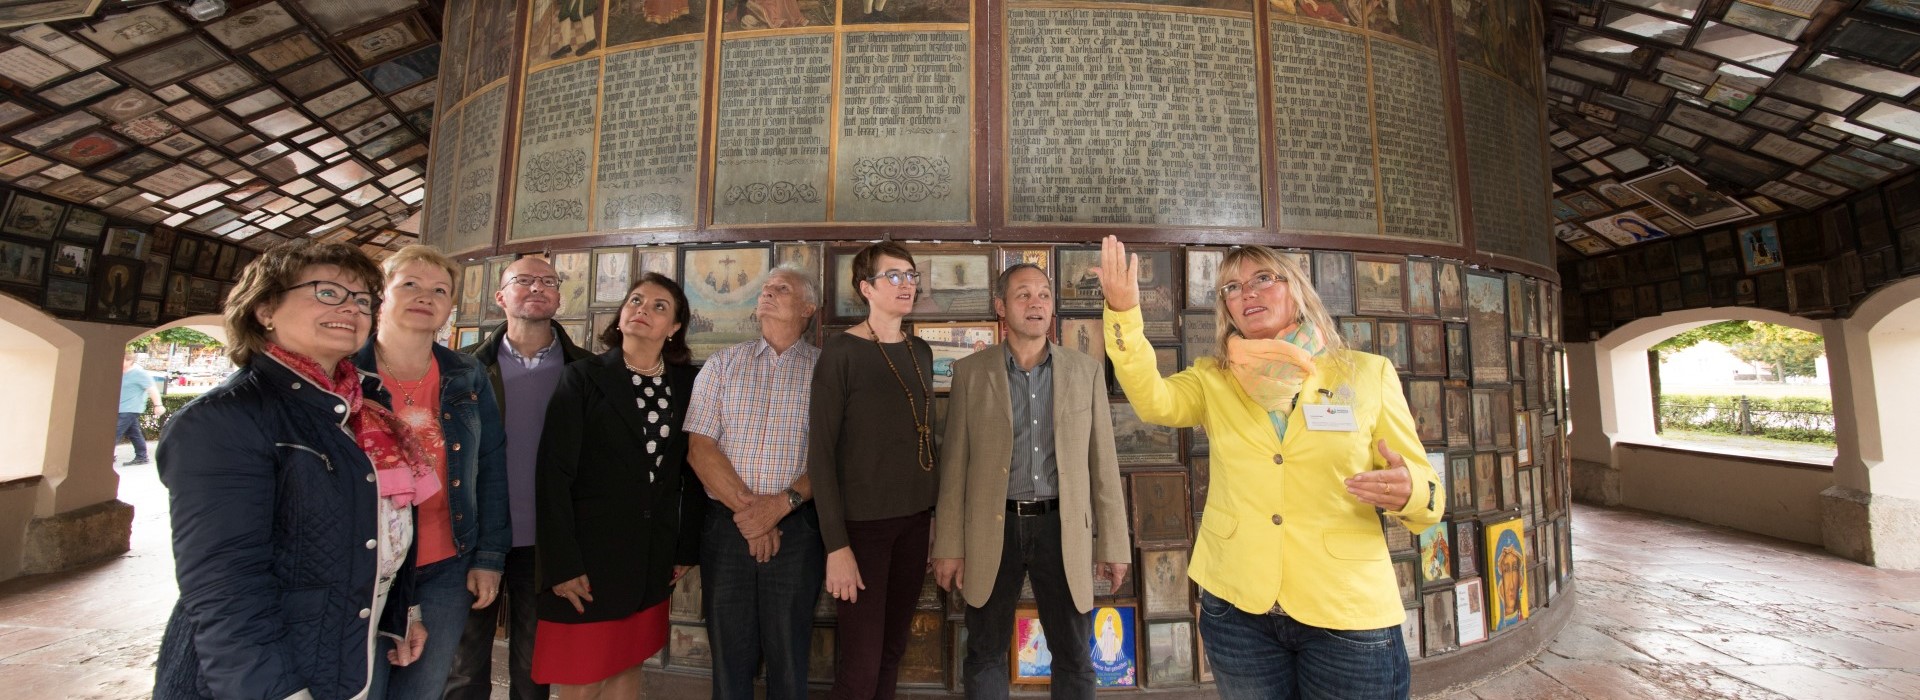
point(1330, 417)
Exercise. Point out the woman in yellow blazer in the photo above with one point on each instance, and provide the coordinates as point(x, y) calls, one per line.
point(1298, 597)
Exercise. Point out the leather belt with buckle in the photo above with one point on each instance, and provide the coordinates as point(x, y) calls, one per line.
point(1028, 508)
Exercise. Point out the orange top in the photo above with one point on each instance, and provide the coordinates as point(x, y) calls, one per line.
point(418, 405)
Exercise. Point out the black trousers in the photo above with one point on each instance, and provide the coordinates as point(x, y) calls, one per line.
point(1030, 547)
point(472, 674)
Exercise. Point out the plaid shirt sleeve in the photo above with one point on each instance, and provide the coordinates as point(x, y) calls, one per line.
point(709, 392)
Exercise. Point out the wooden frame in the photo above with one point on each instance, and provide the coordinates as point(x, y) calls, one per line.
point(1380, 285)
point(721, 296)
point(1160, 507)
point(1164, 591)
point(1202, 265)
point(1390, 341)
point(1170, 654)
point(952, 341)
point(1436, 555)
point(1142, 444)
point(956, 283)
point(1028, 639)
point(612, 272)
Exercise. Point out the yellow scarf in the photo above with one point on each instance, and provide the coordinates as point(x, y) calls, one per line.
point(1272, 371)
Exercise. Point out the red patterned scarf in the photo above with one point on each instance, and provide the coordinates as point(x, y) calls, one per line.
point(405, 475)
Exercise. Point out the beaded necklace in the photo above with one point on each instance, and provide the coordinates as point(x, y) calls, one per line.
point(922, 414)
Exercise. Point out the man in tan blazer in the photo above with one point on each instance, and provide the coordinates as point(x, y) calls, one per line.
point(1029, 487)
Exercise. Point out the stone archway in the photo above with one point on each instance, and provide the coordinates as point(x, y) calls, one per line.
point(1620, 394)
point(1618, 459)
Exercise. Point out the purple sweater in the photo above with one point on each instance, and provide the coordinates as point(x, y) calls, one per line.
point(527, 392)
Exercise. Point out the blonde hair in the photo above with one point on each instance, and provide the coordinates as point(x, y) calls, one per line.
point(420, 253)
point(1306, 301)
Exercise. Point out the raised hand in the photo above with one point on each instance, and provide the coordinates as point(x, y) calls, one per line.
point(1119, 274)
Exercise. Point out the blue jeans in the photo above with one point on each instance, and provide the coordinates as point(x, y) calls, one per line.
point(760, 611)
point(129, 428)
point(441, 591)
point(1276, 656)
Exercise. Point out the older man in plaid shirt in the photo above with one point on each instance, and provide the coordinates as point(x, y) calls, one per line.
point(761, 559)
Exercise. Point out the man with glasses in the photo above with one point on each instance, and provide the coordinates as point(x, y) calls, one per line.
point(761, 560)
point(1029, 489)
point(524, 358)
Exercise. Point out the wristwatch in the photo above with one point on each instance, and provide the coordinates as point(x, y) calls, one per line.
point(794, 500)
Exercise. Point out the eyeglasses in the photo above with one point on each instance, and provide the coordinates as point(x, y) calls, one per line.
point(550, 282)
point(335, 294)
point(897, 278)
point(1260, 282)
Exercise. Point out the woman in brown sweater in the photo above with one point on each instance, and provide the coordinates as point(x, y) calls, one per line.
point(870, 460)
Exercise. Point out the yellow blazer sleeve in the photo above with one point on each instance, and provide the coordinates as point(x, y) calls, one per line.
point(1395, 425)
point(1178, 401)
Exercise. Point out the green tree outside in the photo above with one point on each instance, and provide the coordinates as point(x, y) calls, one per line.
point(1790, 352)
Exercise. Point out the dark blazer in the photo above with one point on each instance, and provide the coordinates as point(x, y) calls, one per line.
point(596, 513)
point(475, 445)
point(274, 511)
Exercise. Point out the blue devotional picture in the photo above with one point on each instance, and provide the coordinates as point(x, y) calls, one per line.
point(1113, 648)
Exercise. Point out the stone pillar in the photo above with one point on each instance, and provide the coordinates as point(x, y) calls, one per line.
point(77, 517)
point(1589, 400)
point(1871, 513)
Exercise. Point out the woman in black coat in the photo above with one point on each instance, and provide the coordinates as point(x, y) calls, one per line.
point(616, 503)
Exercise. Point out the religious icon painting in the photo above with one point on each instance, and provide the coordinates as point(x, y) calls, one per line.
point(612, 270)
point(1505, 545)
point(1686, 196)
point(1163, 583)
point(1113, 647)
point(1203, 266)
point(1759, 247)
point(1438, 623)
point(1170, 654)
point(1160, 507)
point(1379, 285)
point(718, 281)
point(575, 270)
point(1436, 555)
point(955, 284)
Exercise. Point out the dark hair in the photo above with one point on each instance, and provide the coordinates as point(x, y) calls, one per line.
point(269, 276)
point(864, 261)
point(1006, 278)
point(676, 351)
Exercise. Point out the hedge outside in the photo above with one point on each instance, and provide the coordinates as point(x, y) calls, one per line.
point(1797, 419)
point(151, 425)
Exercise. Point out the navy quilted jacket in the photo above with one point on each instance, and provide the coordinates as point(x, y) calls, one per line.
point(274, 509)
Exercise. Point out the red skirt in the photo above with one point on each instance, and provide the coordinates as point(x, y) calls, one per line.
point(590, 652)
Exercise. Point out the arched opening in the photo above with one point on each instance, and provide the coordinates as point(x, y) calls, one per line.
point(1620, 458)
point(1626, 389)
point(187, 357)
point(1744, 387)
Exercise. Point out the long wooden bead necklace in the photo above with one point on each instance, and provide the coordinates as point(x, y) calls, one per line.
point(922, 413)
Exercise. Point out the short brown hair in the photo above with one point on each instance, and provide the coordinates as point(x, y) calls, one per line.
point(421, 253)
point(864, 261)
point(675, 352)
point(269, 276)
